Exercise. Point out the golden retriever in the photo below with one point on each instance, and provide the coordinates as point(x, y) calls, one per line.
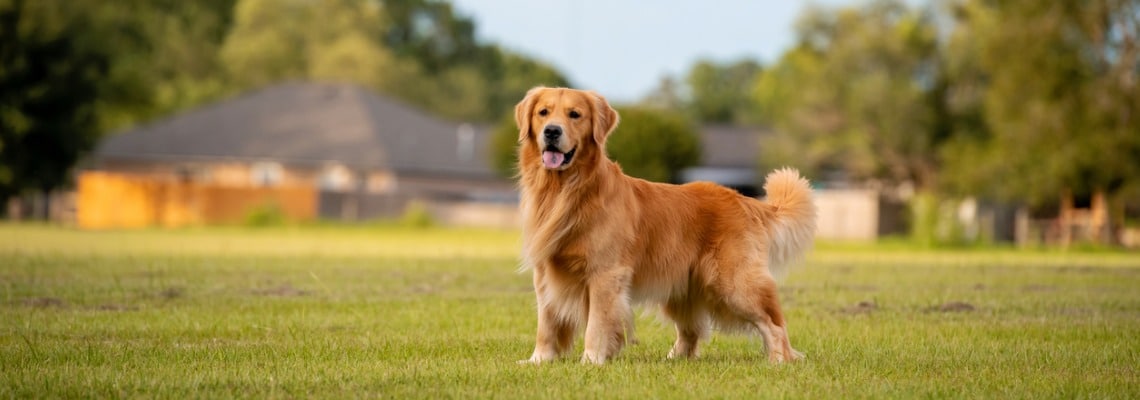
point(597, 239)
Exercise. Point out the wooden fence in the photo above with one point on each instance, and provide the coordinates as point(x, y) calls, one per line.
point(113, 200)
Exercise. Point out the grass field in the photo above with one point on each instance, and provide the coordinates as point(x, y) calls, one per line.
point(401, 313)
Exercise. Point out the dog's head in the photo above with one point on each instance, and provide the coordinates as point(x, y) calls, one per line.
point(559, 126)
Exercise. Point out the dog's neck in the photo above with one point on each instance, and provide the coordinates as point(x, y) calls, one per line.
point(556, 204)
point(574, 184)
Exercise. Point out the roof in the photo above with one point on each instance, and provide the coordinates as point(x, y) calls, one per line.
point(730, 146)
point(311, 123)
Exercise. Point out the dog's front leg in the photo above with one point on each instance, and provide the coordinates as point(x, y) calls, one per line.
point(608, 315)
point(555, 335)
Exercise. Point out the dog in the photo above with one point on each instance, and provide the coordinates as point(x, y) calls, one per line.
point(598, 240)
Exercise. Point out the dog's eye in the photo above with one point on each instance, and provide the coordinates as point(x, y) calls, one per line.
point(543, 112)
point(575, 114)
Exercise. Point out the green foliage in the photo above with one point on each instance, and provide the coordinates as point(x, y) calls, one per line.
point(1019, 101)
point(51, 77)
point(71, 71)
point(648, 143)
point(434, 313)
point(710, 92)
point(265, 215)
point(859, 94)
point(1067, 102)
point(504, 147)
point(720, 93)
point(652, 144)
point(418, 51)
point(417, 216)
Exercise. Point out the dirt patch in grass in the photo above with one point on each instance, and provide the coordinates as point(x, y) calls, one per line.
point(860, 308)
point(172, 293)
point(858, 288)
point(116, 307)
point(953, 307)
point(284, 290)
point(1086, 269)
point(44, 302)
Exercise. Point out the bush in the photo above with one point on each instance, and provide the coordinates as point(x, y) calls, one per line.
point(267, 214)
point(416, 215)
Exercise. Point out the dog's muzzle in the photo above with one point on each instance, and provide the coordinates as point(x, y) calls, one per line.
point(553, 157)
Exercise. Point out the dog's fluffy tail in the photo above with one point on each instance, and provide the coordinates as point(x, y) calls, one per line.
point(791, 226)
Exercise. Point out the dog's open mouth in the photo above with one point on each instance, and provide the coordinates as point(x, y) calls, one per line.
point(552, 158)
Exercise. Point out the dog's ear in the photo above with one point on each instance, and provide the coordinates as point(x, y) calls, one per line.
point(523, 111)
point(605, 118)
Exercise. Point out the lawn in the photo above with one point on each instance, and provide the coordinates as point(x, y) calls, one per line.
point(401, 313)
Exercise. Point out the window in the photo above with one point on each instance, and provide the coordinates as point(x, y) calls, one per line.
point(465, 142)
point(267, 174)
point(335, 177)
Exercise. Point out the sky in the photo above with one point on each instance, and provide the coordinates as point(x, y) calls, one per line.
point(622, 48)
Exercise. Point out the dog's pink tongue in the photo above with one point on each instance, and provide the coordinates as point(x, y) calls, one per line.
point(552, 159)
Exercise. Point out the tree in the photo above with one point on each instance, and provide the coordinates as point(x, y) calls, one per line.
point(430, 32)
point(710, 92)
point(504, 146)
point(72, 71)
point(648, 143)
point(1068, 102)
point(509, 76)
point(652, 144)
point(415, 50)
point(268, 41)
point(50, 79)
point(165, 56)
point(667, 95)
point(860, 94)
point(720, 93)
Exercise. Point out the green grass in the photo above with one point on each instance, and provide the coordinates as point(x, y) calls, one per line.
point(391, 312)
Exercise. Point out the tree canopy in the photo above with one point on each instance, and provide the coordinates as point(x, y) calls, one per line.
point(1020, 101)
point(417, 50)
point(73, 71)
point(857, 95)
point(710, 92)
point(1061, 115)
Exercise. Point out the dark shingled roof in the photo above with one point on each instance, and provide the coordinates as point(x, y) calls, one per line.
point(310, 123)
point(730, 146)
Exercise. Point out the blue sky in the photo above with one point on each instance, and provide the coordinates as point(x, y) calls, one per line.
point(622, 48)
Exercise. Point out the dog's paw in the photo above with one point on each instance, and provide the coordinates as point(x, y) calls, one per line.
point(674, 354)
point(538, 358)
point(780, 357)
point(593, 358)
point(797, 355)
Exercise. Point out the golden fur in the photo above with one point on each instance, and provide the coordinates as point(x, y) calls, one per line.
point(598, 240)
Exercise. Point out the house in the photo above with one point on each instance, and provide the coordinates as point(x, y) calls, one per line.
point(359, 155)
point(342, 152)
point(729, 154)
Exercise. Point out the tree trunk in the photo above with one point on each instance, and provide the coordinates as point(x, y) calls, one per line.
point(1098, 218)
point(1065, 219)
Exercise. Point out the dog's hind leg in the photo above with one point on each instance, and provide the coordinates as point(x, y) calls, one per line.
point(756, 300)
point(692, 323)
point(554, 338)
point(631, 327)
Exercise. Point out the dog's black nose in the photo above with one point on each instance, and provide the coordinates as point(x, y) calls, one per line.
point(552, 132)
